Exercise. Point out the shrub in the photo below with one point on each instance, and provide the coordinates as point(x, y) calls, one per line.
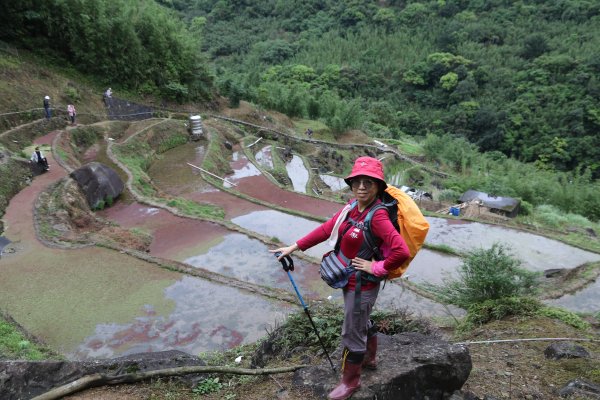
point(565, 316)
point(490, 274)
point(526, 208)
point(72, 94)
point(496, 309)
point(449, 195)
point(207, 386)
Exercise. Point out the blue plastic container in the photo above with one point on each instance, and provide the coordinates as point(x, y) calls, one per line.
point(455, 211)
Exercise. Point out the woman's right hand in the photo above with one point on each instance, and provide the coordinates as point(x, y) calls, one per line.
point(285, 250)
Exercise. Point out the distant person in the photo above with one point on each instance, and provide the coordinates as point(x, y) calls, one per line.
point(107, 97)
point(309, 132)
point(72, 113)
point(47, 109)
point(38, 158)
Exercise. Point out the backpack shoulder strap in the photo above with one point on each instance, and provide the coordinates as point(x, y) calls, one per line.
point(368, 233)
point(336, 248)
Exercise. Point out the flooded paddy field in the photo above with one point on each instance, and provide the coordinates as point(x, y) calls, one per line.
point(105, 303)
point(537, 253)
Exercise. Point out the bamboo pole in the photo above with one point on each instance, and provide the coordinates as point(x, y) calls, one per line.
point(211, 174)
point(252, 144)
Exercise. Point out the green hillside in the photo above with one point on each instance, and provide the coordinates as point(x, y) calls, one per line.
point(520, 77)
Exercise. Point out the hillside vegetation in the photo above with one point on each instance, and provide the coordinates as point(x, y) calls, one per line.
point(517, 81)
point(516, 77)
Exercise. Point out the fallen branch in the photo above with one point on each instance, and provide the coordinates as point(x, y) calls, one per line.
point(257, 140)
point(99, 379)
point(211, 174)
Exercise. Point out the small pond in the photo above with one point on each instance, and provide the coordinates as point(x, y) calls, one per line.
point(297, 173)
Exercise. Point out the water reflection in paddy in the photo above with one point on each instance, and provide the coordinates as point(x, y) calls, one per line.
point(585, 301)
point(249, 260)
point(172, 174)
point(242, 168)
point(264, 157)
point(537, 253)
point(287, 228)
point(206, 317)
point(297, 173)
point(335, 183)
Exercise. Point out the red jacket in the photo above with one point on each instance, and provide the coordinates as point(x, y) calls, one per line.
point(396, 250)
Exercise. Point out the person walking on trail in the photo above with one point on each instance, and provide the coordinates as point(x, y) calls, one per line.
point(72, 113)
point(38, 157)
point(345, 229)
point(47, 110)
point(108, 97)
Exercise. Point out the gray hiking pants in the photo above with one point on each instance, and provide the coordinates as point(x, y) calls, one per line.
point(354, 329)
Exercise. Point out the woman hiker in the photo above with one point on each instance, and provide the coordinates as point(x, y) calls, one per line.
point(72, 113)
point(345, 228)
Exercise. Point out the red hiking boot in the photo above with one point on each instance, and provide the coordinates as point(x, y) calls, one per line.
point(370, 361)
point(350, 382)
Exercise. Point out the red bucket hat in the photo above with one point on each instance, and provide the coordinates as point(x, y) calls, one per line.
point(367, 166)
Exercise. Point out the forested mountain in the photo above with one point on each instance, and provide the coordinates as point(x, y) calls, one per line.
point(520, 77)
point(135, 44)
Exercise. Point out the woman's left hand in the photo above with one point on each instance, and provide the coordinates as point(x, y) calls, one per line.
point(362, 265)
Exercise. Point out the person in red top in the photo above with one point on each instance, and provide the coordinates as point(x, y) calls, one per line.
point(358, 333)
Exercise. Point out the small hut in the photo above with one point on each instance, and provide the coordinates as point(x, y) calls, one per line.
point(507, 206)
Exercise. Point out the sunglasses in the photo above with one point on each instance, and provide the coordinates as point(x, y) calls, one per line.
point(366, 183)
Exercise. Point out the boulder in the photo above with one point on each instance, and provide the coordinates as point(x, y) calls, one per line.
point(27, 379)
point(411, 366)
point(580, 387)
point(559, 350)
point(98, 182)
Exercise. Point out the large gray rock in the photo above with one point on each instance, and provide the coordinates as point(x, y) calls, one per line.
point(580, 387)
point(98, 182)
point(27, 379)
point(559, 350)
point(411, 366)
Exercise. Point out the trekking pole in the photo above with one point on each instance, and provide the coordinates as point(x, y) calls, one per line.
point(288, 265)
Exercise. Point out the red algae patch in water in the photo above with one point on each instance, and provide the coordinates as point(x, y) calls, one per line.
point(173, 237)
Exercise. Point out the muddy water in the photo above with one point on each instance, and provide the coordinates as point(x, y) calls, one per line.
point(174, 237)
point(287, 228)
point(249, 260)
point(172, 174)
point(297, 173)
point(537, 253)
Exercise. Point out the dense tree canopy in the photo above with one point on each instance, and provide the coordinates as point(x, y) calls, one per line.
point(520, 77)
point(134, 43)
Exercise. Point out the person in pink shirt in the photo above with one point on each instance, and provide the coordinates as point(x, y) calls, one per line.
point(359, 337)
point(72, 113)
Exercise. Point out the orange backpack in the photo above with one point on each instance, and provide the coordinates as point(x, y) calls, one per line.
point(408, 221)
